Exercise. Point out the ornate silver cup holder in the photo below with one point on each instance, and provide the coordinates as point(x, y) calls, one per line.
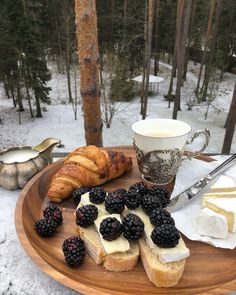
point(159, 167)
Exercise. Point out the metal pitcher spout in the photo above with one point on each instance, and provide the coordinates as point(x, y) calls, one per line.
point(47, 145)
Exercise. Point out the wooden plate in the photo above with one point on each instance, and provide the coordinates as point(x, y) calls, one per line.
point(208, 269)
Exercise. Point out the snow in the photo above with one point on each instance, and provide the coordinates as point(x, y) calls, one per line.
point(152, 79)
point(58, 121)
point(18, 274)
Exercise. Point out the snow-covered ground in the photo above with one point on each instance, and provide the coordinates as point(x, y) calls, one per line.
point(58, 119)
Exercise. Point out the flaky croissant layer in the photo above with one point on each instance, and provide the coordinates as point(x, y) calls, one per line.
point(87, 166)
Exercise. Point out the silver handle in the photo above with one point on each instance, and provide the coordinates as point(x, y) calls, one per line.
point(206, 134)
point(223, 166)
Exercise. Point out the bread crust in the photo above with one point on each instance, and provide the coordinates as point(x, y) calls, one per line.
point(120, 261)
point(160, 274)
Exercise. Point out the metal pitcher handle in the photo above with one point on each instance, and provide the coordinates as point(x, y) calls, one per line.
point(206, 134)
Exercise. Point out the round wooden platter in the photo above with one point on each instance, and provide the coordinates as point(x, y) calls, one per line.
point(208, 270)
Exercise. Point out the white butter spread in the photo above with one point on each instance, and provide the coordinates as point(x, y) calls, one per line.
point(118, 245)
point(101, 208)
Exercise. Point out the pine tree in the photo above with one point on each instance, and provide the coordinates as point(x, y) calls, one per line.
point(30, 67)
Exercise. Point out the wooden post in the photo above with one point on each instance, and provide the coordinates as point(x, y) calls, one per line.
point(86, 28)
point(230, 125)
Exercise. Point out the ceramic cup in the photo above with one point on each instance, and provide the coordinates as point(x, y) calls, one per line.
point(160, 147)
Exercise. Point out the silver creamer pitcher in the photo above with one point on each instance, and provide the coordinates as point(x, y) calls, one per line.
point(19, 164)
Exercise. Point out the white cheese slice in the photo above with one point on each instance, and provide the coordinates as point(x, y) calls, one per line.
point(223, 184)
point(217, 195)
point(221, 195)
point(226, 207)
point(118, 245)
point(101, 207)
point(166, 255)
point(212, 224)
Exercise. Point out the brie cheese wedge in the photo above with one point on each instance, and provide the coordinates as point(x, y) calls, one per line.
point(226, 207)
point(212, 224)
point(118, 245)
point(165, 255)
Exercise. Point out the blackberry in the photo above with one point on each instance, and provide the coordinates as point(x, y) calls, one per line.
point(133, 227)
point(149, 202)
point(132, 200)
point(161, 216)
point(97, 195)
point(54, 212)
point(86, 215)
point(110, 228)
point(74, 251)
point(114, 202)
point(165, 236)
point(163, 196)
point(45, 227)
point(138, 187)
point(121, 192)
point(76, 195)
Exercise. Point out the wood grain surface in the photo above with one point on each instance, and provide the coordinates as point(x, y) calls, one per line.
point(208, 270)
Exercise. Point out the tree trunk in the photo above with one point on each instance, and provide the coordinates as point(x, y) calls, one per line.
point(230, 126)
point(29, 101)
point(19, 97)
point(5, 83)
point(149, 51)
point(155, 49)
point(183, 16)
point(38, 107)
point(86, 27)
point(209, 65)
point(13, 96)
point(125, 22)
point(206, 44)
point(68, 54)
point(192, 15)
point(169, 94)
point(27, 88)
point(144, 62)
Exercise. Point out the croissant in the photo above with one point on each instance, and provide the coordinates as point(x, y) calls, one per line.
point(87, 166)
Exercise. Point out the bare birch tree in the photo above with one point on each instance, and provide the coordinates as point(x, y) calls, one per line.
point(86, 27)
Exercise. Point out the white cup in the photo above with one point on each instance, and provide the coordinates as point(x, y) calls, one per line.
point(159, 145)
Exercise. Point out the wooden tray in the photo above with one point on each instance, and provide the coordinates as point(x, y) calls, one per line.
point(208, 270)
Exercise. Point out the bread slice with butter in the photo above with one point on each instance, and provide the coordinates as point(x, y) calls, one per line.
point(160, 274)
point(116, 261)
point(117, 255)
point(163, 266)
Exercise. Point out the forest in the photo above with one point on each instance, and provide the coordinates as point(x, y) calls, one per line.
point(133, 37)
